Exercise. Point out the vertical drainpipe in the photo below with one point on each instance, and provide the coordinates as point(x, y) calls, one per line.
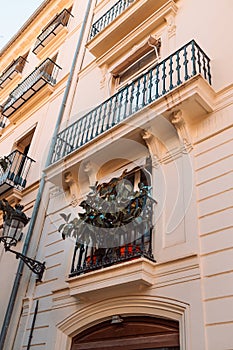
point(19, 272)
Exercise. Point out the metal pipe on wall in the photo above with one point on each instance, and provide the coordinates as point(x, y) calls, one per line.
point(19, 272)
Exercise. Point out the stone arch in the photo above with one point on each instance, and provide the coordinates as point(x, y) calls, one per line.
point(134, 305)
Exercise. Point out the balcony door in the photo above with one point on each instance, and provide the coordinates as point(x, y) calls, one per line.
point(20, 166)
point(133, 333)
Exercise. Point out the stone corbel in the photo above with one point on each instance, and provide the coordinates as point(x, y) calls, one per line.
point(90, 170)
point(106, 76)
point(13, 196)
point(182, 131)
point(72, 183)
point(154, 145)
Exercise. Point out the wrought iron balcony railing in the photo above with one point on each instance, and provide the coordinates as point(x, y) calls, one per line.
point(109, 16)
point(51, 30)
point(88, 257)
point(14, 171)
point(158, 81)
point(46, 73)
point(102, 247)
point(15, 67)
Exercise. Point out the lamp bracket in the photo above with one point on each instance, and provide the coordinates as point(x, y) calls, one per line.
point(34, 265)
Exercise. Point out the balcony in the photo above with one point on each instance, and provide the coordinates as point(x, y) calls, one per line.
point(109, 16)
point(126, 23)
point(14, 170)
point(51, 30)
point(46, 73)
point(113, 233)
point(171, 74)
point(15, 68)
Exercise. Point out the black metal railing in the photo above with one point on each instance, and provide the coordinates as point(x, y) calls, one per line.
point(108, 247)
point(42, 75)
point(109, 16)
point(159, 80)
point(15, 170)
point(51, 30)
point(14, 68)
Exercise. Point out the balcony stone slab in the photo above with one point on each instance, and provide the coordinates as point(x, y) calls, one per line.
point(32, 103)
point(137, 273)
point(54, 44)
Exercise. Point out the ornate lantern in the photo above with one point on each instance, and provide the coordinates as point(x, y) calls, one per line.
point(14, 220)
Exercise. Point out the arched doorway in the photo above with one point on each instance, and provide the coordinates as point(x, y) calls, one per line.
point(133, 333)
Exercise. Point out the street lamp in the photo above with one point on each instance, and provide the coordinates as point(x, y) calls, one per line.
point(14, 221)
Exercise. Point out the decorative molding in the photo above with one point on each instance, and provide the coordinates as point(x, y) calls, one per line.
point(61, 298)
point(72, 182)
point(56, 191)
point(104, 72)
point(155, 147)
point(171, 26)
point(13, 196)
point(90, 170)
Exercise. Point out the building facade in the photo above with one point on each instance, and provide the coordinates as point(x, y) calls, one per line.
point(116, 137)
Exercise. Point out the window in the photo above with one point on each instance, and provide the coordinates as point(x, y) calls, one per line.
point(23, 144)
point(20, 162)
point(145, 56)
point(14, 168)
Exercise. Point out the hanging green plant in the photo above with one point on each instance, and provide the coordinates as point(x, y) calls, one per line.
point(111, 205)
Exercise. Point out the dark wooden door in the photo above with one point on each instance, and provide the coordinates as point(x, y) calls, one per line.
point(134, 333)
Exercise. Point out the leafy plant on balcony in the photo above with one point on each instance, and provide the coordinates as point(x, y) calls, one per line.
point(110, 207)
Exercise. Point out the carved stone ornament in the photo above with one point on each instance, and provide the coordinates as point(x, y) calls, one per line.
point(106, 76)
point(56, 191)
point(171, 25)
point(72, 184)
point(179, 123)
point(90, 170)
point(155, 146)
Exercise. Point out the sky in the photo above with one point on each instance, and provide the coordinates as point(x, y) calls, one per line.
point(14, 13)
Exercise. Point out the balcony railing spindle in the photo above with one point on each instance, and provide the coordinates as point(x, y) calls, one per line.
point(186, 76)
point(193, 59)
